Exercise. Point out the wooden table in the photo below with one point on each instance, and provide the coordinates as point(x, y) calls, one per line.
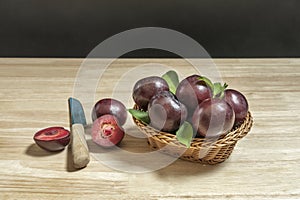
point(263, 165)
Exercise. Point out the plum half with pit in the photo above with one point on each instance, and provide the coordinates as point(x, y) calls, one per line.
point(166, 112)
point(239, 104)
point(144, 89)
point(191, 91)
point(106, 131)
point(52, 138)
point(214, 117)
point(110, 106)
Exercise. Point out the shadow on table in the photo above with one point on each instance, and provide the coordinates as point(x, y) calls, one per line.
point(131, 160)
point(69, 161)
point(186, 168)
point(35, 151)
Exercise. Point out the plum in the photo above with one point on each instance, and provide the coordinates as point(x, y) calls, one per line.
point(214, 117)
point(146, 88)
point(52, 138)
point(106, 131)
point(239, 104)
point(191, 91)
point(166, 112)
point(110, 106)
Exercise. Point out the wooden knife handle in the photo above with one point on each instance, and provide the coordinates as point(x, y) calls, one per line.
point(79, 148)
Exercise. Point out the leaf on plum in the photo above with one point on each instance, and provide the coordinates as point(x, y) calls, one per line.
point(185, 134)
point(171, 77)
point(207, 81)
point(219, 89)
point(140, 115)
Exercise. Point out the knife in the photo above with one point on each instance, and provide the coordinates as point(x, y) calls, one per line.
point(79, 148)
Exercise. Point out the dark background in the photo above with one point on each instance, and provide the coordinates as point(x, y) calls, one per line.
point(72, 28)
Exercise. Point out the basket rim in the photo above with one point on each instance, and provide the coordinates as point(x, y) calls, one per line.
point(231, 137)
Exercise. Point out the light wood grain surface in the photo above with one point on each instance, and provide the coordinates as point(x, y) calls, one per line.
point(264, 165)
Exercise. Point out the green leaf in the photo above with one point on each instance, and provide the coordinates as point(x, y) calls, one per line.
point(219, 89)
point(171, 78)
point(185, 134)
point(207, 81)
point(216, 88)
point(140, 115)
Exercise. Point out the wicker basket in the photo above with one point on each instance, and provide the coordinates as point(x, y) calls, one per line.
point(202, 150)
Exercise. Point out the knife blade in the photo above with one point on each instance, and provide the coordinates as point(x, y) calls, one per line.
point(79, 148)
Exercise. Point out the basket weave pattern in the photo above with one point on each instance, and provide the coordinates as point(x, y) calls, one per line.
point(202, 150)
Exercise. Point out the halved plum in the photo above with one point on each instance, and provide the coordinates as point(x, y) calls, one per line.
point(106, 131)
point(52, 138)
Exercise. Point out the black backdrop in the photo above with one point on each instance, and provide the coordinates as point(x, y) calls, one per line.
point(72, 28)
